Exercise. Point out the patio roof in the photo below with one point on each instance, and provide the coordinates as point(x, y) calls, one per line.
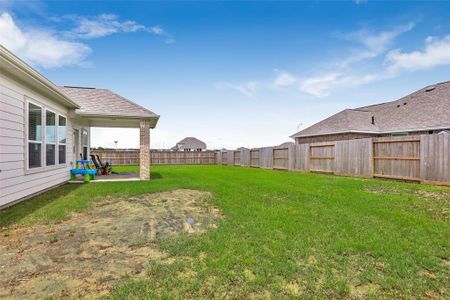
point(105, 108)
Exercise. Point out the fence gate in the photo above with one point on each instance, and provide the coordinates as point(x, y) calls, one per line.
point(237, 158)
point(321, 158)
point(254, 158)
point(280, 158)
point(397, 159)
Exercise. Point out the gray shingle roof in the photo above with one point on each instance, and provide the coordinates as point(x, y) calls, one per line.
point(103, 102)
point(189, 143)
point(425, 109)
point(285, 144)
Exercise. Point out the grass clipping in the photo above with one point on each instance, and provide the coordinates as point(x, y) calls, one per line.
point(82, 256)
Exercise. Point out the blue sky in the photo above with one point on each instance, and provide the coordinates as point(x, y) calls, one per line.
point(233, 73)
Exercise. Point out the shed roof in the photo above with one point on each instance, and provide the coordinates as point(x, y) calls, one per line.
point(425, 109)
point(103, 102)
point(190, 143)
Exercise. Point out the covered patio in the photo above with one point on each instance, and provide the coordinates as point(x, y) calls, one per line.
point(104, 108)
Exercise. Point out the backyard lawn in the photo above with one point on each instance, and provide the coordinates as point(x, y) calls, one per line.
point(280, 235)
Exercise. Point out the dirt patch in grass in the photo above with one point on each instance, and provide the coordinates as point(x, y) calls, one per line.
point(83, 256)
point(434, 203)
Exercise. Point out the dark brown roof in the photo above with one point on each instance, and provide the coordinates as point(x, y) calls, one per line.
point(425, 109)
point(189, 143)
point(103, 102)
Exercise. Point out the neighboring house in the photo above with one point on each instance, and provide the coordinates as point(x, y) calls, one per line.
point(285, 145)
point(189, 144)
point(425, 111)
point(45, 128)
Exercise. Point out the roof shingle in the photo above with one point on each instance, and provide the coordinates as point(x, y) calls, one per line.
point(189, 143)
point(425, 109)
point(103, 102)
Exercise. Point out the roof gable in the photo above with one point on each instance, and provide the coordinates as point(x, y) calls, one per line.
point(103, 102)
point(190, 143)
point(427, 108)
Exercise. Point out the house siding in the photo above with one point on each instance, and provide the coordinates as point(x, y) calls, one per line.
point(16, 182)
point(353, 136)
point(331, 138)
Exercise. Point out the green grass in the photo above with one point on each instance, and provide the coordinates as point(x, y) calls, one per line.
point(284, 235)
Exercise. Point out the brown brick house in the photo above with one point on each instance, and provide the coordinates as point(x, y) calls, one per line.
point(424, 111)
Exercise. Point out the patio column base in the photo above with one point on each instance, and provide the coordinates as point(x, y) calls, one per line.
point(144, 150)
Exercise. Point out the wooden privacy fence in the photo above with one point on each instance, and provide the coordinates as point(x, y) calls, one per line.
point(182, 157)
point(254, 158)
point(131, 157)
point(321, 158)
point(397, 158)
point(424, 158)
point(280, 158)
point(237, 157)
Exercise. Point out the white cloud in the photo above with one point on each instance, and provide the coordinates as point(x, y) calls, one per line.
point(284, 79)
point(435, 53)
point(343, 74)
point(108, 24)
point(156, 29)
point(100, 26)
point(321, 86)
point(374, 44)
point(248, 89)
point(39, 46)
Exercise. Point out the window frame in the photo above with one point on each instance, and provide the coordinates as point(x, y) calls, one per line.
point(59, 142)
point(43, 141)
point(56, 137)
point(27, 135)
point(83, 130)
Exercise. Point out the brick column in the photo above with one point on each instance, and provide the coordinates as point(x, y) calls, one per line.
point(144, 150)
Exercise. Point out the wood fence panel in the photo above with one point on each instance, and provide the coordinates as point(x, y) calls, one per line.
point(265, 157)
point(224, 156)
point(230, 158)
point(298, 157)
point(354, 157)
point(120, 157)
point(435, 158)
point(245, 157)
point(280, 158)
point(425, 158)
point(397, 157)
point(322, 157)
point(218, 157)
point(254, 158)
point(237, 157)
point(182, 157)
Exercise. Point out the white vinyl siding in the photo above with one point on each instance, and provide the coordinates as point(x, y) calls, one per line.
point(16, 180)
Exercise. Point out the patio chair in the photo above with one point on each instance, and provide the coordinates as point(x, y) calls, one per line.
point(104, 169)
point(107, 166)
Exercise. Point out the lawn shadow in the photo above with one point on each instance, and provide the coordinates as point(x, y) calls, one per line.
point(13, 214)
point(155, 175)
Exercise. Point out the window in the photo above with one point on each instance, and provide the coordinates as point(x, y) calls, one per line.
point(50, 138)
point(47, 137)
point(85, 142)
point(34, 136)
point(62, 139)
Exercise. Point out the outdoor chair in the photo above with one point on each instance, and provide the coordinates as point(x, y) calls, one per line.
point(107, 166)
point(104, 169)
